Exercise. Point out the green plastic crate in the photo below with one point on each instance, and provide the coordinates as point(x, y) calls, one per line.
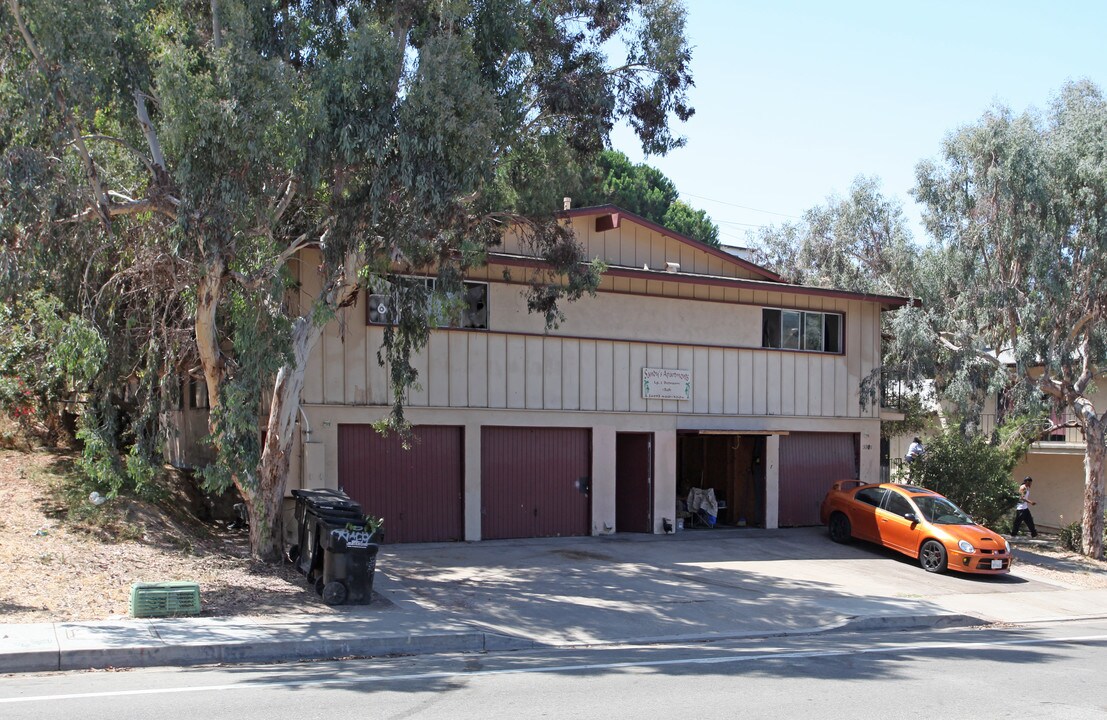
point(165, 599)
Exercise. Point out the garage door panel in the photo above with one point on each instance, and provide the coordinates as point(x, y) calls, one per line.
point(809, 464)
point(529, 482)
point(418, 491)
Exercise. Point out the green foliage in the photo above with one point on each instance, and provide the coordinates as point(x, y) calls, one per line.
point(644, 190)
point(860, 243)
point(261, 348)
point(691, 222)
point(47, 357)
point(396, 138)
point(970, 471)
point(1017, 204)
point(1071, 537)
point(917, 412)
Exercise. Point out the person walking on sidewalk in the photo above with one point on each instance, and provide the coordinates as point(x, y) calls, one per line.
point(1022, 509)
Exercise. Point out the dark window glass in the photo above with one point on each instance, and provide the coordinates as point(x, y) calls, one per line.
point(898, 504)
point(833, 333)
point(871, 496)
point(770, 328)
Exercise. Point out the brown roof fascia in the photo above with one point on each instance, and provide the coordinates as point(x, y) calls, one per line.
point(890, 301)
point(618, 213)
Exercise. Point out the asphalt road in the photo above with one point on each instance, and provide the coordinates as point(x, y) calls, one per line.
point(1052, 671)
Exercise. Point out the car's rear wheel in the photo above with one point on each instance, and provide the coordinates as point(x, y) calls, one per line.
point(932, 556)
point(839, 528)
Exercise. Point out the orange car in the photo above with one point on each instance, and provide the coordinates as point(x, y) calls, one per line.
point(916, 522)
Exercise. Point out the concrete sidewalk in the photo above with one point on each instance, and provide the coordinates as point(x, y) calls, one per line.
point(500, 595)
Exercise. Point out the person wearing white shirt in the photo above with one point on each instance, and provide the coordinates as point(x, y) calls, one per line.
point(1022, 509)
point(915, 451)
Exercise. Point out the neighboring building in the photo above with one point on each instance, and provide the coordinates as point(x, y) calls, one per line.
point(690, 368)
point(1056, 461)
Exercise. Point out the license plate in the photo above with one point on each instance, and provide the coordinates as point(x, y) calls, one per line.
point(997, 564)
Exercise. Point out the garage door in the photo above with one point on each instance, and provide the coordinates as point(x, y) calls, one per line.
point(418, 492)
point(535, 482)
point(809, 464)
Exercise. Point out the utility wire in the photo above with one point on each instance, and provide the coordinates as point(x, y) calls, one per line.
point(744, 207)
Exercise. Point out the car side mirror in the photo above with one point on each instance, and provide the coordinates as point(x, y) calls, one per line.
point(910, 516)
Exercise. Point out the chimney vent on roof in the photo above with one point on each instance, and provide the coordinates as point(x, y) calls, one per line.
point(567, 203)
point(672, 267)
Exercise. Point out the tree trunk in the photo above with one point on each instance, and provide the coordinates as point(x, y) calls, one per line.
point(209, 293)
point(1095, 481)
point(266, 510)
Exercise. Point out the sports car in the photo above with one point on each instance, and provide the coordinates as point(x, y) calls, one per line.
point(917, 522)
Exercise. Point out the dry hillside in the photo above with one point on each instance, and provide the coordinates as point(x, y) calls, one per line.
point(60, 561)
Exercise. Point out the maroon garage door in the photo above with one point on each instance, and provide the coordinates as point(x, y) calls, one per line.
point(535, 482)
point(809, 464)
point(418, 492)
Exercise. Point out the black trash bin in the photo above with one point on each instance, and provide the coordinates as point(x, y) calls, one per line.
point(317, 512)
point(349, 562)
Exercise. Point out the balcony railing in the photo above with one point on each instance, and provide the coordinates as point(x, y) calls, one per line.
point(1057, 435)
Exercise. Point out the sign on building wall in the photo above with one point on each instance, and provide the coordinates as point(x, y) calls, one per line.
point(665, 384)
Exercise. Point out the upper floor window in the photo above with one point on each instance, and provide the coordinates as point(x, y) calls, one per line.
point(801, 330)
point(467, 308)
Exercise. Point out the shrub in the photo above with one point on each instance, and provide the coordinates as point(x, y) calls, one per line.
point(1071, 537)
point(971, 472)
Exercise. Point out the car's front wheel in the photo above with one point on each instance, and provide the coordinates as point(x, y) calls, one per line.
point(932, 556)
point(839, 528)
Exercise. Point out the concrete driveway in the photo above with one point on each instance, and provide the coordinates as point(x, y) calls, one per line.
point(700, 584)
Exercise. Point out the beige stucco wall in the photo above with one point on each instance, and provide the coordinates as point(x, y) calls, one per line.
point(1058, 486)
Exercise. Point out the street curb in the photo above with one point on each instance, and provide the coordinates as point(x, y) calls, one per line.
point(184, 655)
point(163, 655)
point(30, 661)
point(908, 622)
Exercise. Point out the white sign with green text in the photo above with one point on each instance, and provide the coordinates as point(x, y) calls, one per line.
point(666, 384)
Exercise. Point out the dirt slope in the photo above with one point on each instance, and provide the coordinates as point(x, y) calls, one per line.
point(52, 570)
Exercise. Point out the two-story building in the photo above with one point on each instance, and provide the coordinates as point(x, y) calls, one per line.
point(690, 368)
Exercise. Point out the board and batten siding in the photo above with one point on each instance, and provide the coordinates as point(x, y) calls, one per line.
point(634, 245)
point(593, 361)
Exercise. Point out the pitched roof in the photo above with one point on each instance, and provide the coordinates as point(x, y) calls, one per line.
point(617, 214)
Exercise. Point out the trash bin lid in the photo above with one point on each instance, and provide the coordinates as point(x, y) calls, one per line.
point(327, 500)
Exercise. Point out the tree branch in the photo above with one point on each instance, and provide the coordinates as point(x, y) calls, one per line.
point(98, 193)
point(124, 144)
point(151, 136)
point(216, 25)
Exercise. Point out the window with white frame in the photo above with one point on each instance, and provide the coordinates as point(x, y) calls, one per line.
point(801, 330)
point(466, 309)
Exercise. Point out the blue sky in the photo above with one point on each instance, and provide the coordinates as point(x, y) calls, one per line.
point(795, 99)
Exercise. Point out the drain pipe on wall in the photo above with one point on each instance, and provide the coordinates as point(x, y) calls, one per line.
point(305, 438)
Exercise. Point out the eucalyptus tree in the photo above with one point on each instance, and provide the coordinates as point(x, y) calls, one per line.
point(862, 242)
point(219, 138)
point(1019, 205)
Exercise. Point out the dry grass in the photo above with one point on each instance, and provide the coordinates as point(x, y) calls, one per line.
point(63, 558)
